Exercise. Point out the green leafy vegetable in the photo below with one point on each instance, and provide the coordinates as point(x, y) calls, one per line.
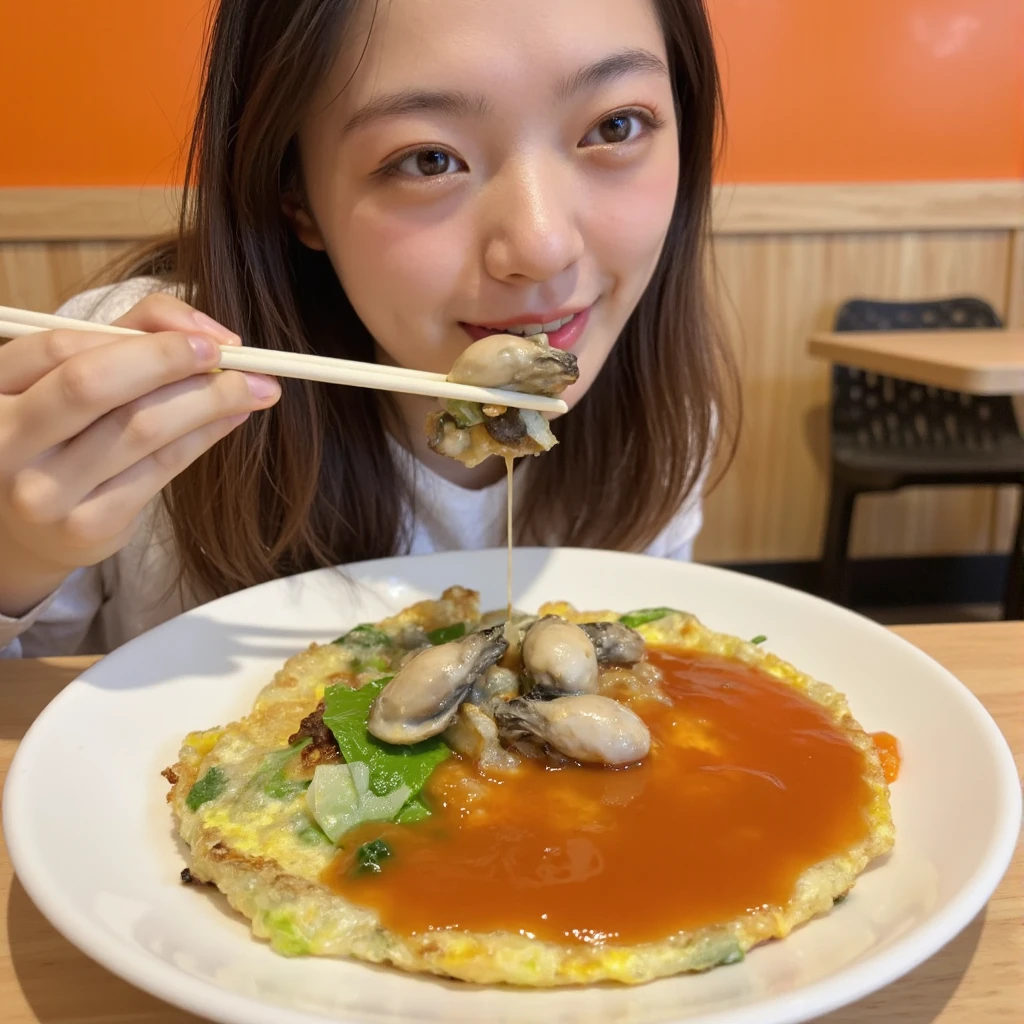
point(538, 428)
point(370, 856)
point(270, 777)
point(333, 801)
point(345, 713)
point(414, 810)
point(465, 414)
point(340, 798)
point(284, 934)
point(731, 956)
point(716, 952)
point(364, 636)
point(645, 615)
point(370, 646)
point(312, 834)
point(208, 788)
point(282, 788)
point(759, 639)
point(446, 634)
point(376, 663)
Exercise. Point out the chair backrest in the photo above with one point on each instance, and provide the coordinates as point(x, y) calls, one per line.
point(940, 315)
point(888, 413)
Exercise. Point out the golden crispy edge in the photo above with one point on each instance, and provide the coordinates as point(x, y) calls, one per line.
point(301, 916)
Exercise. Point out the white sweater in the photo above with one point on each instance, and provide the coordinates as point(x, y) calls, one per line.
point(103, 606)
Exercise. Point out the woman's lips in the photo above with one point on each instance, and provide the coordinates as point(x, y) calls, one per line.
point(567, 335)
point(564, 338)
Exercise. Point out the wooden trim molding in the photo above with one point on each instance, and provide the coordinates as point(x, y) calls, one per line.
point(836, 208)
point(1015, 281)
point(66, 214)
point(81, 214)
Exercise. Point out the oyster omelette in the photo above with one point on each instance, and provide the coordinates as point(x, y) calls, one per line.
point(542, 800)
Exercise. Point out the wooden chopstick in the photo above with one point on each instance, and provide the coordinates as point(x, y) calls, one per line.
point(16, 323)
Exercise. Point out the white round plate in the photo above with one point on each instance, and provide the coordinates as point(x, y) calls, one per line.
point(91, 837)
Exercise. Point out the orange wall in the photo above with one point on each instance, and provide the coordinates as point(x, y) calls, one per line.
point(99, 92)
point(872, 90)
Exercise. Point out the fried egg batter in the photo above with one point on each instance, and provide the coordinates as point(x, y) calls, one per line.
point(748, 784)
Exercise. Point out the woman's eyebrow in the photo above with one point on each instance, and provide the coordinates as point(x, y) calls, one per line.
point(615, 65)
point(461, 104)
point(417, 101)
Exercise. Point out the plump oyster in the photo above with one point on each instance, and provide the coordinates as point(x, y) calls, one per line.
point(512, 363)
point(425, 695)
point(587, 728)
point(495, 684)
point(470, 432)
point(614, 643)
point(474, 734)
point(447, 438)
point(559, 658)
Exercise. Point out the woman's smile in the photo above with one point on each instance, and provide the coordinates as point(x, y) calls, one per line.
point(563, 329)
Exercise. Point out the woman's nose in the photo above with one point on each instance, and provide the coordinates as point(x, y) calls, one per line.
point(532, 231)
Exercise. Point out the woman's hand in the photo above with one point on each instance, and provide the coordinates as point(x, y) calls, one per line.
point(93, 425)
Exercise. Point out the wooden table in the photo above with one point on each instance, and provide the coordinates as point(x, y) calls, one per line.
point(980, 362)
point(978, 977)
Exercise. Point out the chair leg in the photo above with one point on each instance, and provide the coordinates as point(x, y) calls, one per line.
point(1013, 606)
point(834, 564)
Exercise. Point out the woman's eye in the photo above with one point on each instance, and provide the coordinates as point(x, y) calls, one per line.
point(615, 129)
point(428, 163)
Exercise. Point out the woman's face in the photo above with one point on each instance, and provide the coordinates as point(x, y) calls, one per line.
point(477, 165)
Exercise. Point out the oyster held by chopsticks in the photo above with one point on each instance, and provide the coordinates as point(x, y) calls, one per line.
point(470, 432)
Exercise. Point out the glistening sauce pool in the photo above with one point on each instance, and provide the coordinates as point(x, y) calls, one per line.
point(747, 784)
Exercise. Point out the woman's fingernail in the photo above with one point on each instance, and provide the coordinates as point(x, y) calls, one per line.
point(261, 387)
point(204, 349)
point(219, 331)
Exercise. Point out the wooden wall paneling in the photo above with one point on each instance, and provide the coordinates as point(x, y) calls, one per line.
point(775, 467)
point(42, 275)
point(1006, 512)
point(779, 289)
point(75, 214)
point(1006, 506)
point(1015, 281)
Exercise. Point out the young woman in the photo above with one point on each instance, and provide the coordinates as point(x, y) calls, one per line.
point(384, 181)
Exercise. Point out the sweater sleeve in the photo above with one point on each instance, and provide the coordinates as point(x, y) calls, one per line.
point(60, 623)
point(57, 625)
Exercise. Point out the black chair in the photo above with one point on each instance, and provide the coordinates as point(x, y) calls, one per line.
point(889, 433)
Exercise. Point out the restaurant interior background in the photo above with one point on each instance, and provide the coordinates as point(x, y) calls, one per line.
point(875, 149)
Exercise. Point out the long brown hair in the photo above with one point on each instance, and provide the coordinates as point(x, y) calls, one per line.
point(312, 482)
